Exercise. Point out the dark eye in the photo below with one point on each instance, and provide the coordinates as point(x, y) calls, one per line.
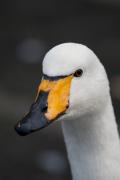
point(78, 73)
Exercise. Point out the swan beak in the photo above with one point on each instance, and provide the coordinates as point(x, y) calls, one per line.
point(51, 102)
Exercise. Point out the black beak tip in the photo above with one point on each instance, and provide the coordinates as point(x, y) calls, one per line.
point(22, 130)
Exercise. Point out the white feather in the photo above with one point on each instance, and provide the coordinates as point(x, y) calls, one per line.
point(89, 126)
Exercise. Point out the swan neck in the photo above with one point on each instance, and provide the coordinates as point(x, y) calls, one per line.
point(93, 146)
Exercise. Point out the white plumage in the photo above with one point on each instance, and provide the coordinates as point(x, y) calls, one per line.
point(89, 125)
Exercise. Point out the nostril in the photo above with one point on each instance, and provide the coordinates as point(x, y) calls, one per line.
point(44, 109)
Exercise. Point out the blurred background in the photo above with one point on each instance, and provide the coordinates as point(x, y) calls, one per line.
point(28, 29)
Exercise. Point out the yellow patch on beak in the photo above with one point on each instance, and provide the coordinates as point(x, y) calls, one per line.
point(58, 97)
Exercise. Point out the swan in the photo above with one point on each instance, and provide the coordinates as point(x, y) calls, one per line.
point(75, 90)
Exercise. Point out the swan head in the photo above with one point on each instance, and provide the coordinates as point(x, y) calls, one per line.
point(74, 84)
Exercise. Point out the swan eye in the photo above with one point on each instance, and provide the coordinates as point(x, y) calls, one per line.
point(78, 73)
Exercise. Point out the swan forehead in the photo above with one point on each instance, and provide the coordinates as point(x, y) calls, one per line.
point(66, 58)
